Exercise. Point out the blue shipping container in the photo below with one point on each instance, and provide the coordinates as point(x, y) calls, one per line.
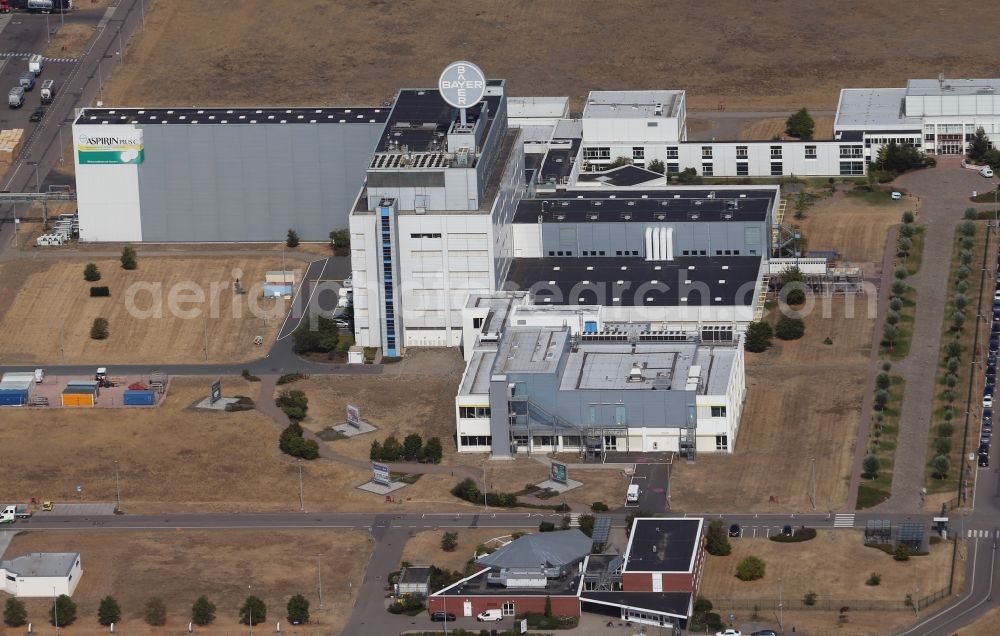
point(13, 397)
point(139, 398)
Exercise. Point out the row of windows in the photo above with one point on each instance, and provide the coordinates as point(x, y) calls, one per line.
point(593, 252)
point(560, 253)
point(476, 440)
point(851, 151)
point(479, 412)
point(425, 235)
point(852, 168)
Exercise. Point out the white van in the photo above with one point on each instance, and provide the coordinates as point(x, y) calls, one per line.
point(39, 376)
point(490, 615)
point(986, 171)
point(632, 496)
point(7, 515)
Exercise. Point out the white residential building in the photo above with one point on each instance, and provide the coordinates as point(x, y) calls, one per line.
point(41, 574)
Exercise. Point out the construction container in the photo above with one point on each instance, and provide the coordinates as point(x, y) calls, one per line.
point(139, 398)
point(70, 398)
point(13, 397)
point(277, 290)
point(15, 388)
point(88, 386)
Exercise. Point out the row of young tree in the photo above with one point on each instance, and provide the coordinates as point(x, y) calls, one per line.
point(413, 449)
point(64, 611)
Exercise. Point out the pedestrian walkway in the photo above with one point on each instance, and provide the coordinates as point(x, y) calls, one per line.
point(982, 534)
point(843, 521)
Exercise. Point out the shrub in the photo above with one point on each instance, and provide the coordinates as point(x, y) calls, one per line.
point(874, 579)
point(109, 611)
point(891, 317)
point(64, 611)
point(887, 366)
point(449, 541)
point(896, 304)
point(155, 611)
point(91, 274)
point(758, 337)
point(656, 166)
point(717, 539)
point(942, 445)
point(871, 466)
point(292, 239)
point(900, 273)
point(946, 429)
point(898, 287)
point(963, 272)
point(99, 292)
point(907, 230)
point(249, 377)
point(14, 613)
point(128, 258)
point(202, 611)
point(586, 524)
point(901, 553)
point(883, 380)
point(965, 256)
point(288, 378)
point(750, 568)
point(800, 535)
point(809, 599)
point(962, 286)
point(253, 611)
point(546, 526)
point(99, 329)
point(291, 442)
point(967, 242)
point(881, 399)
point(789, 328)
point(298, 610)
point(800, 124)
point(941, 465)
point(908, 217)
point(599, 506)
point(952, 365)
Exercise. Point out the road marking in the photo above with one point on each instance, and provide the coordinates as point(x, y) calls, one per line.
point(843, 521)
point(295, 296)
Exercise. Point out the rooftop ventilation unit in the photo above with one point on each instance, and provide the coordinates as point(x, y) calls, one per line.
point(635, 375)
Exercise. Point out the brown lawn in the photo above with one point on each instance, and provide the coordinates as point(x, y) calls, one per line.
point(770, 127)
point(425, 548)
point(180, 566)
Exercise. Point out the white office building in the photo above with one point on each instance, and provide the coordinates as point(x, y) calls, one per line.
point(41, 574)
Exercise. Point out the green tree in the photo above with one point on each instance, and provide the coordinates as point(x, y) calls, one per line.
point(890, 333)
point(957, 321)
point(689, 176)
point(548, 606)
point(99, 329)
point(292, 239)
point(128, 259)
point(946, 429)
point(432, 451)
point(789, 328)
point(967, 228)
point(901, 553)
point(953, 348)
point(903, 246)
point(750, 568)
point(758, 337)
point(979, 145)
point(449, 541)
point(881, 398)
point(586, 524)
point(202, 611)
point(253, 611)
point(717, 539)
point(619, 162)
point(883, 380)
point(891, 317)
point(656, 166)
point(155, 611)
point(109, 611)
point(898, 287)
point(809, 599)
point(375, 454)
point(64, 611)
point(900, 273)
point(340, 239)
point(800, 124)
point(91, 273)
point(392, 450)
point(871, 466)
point(894, 157)
point(14, 613)
point(413, 444)
point(896, 304)
point(908, 217)
point(298, 610)
point(942, 445)
point(941, 465)
point(907, 230)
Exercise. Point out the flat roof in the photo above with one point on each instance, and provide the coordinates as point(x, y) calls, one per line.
point(672, 603)
point(633, 104)
point(662, 366)
point(648, 205)
point(415, 574)
point(478, 373)
point(477, 585)
point(223, 115)
point(663, 544)
point(531, 107)
point(622, 176)
point(558, 162)
point(420, 120)
point(688, 281)
point(962, 86)
point(42, 564)
point(530, 350)
point(874, 108)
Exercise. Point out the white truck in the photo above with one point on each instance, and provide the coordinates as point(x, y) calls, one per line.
point(36, 63)
point(15, 98)
point(48, 91)
point(8, 514)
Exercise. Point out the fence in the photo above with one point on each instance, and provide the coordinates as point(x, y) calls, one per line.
point(726, 605)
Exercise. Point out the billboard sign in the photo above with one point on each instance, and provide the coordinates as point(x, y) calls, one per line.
point(216, 391)
point(462, 84)
point(354, 416)
point(114, 145)
point(558, 473)
point(380, 474)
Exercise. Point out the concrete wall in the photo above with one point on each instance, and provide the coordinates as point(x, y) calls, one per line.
point(41, 586)
point(561, 605)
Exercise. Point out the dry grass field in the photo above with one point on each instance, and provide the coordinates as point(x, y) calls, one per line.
point(55, 297)
point(425, 548)
point(770, 127)
point(728, 52)
point(69, 41)
point(180, 566)
point(834, 565)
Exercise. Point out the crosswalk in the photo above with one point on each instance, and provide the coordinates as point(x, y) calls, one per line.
point(574, 520)
point(16, 54)
point(843, 521)
point(982, 534)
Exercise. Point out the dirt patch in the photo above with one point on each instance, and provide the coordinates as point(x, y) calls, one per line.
point(138, 335)
point(772, 127)
point(180, 566)
point(70, 40)
point(768, 61)
point(425, 548)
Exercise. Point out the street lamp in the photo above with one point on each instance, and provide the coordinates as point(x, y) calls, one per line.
point(249, 611)
point(118, 490)
point(55, 610)
point(781, 623)
point(814, 483)
point(302, 504)
point(319, 577)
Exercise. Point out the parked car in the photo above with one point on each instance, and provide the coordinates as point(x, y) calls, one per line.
point(764, 632)
point(787, 531)
point(735, 530)
point(37, 114)
point(986, 171)
point(984, 459)
point(987, 417)
point(987, 401)
point(985, 435)
point(994, 344)
point(729, 632)
point(490, 615)
point(991, 358)
point(443, 616)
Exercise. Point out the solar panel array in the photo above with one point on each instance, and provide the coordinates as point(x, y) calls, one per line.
point(602, 530)
point(910, 532)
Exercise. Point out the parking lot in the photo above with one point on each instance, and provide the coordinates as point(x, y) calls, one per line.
point(652, 479)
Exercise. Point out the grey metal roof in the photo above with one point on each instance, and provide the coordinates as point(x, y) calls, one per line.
point(223, 115)
point(544, 549)
point(874, 107)
point(530, 350)
point(478, 372)
point(632, 104)
point(415, 574)
point(39, 564)
point(965, 86)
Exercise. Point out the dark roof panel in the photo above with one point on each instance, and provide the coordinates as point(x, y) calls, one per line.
point(233, 115)
point(647, 206)
point(663, 545)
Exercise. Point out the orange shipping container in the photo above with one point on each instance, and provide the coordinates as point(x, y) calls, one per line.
point(77, 399)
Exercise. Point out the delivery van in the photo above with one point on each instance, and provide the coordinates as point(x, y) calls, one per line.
point(633, 494)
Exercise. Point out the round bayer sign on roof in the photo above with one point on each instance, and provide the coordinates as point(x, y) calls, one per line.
point(462, 84)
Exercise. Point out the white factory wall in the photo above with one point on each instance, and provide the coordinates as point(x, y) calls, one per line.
point(364, 259)
point(107, 195)
point(41, 586)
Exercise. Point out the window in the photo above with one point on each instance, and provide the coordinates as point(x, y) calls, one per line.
point(597, 153)
point(775, 152)
point(718, 252)
point(477, 323)
point(478, 412)
point(476, 440)
point(706, 152)
point(652, 124)
point(638, 152)
point(601, 253)
point(707, 170)
point(425, 235)
point(852, 168)
point(684, 253)
point(508, 609)
point(551, 253)
point(718, 411)
point(721, 442)
point(742, 152)
point(810, 152)
point(775, 168)
point(929, 137)
point(673, 168)
point(851, 151)
point(542, 440)
point(672, 152)
point(742, 169)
